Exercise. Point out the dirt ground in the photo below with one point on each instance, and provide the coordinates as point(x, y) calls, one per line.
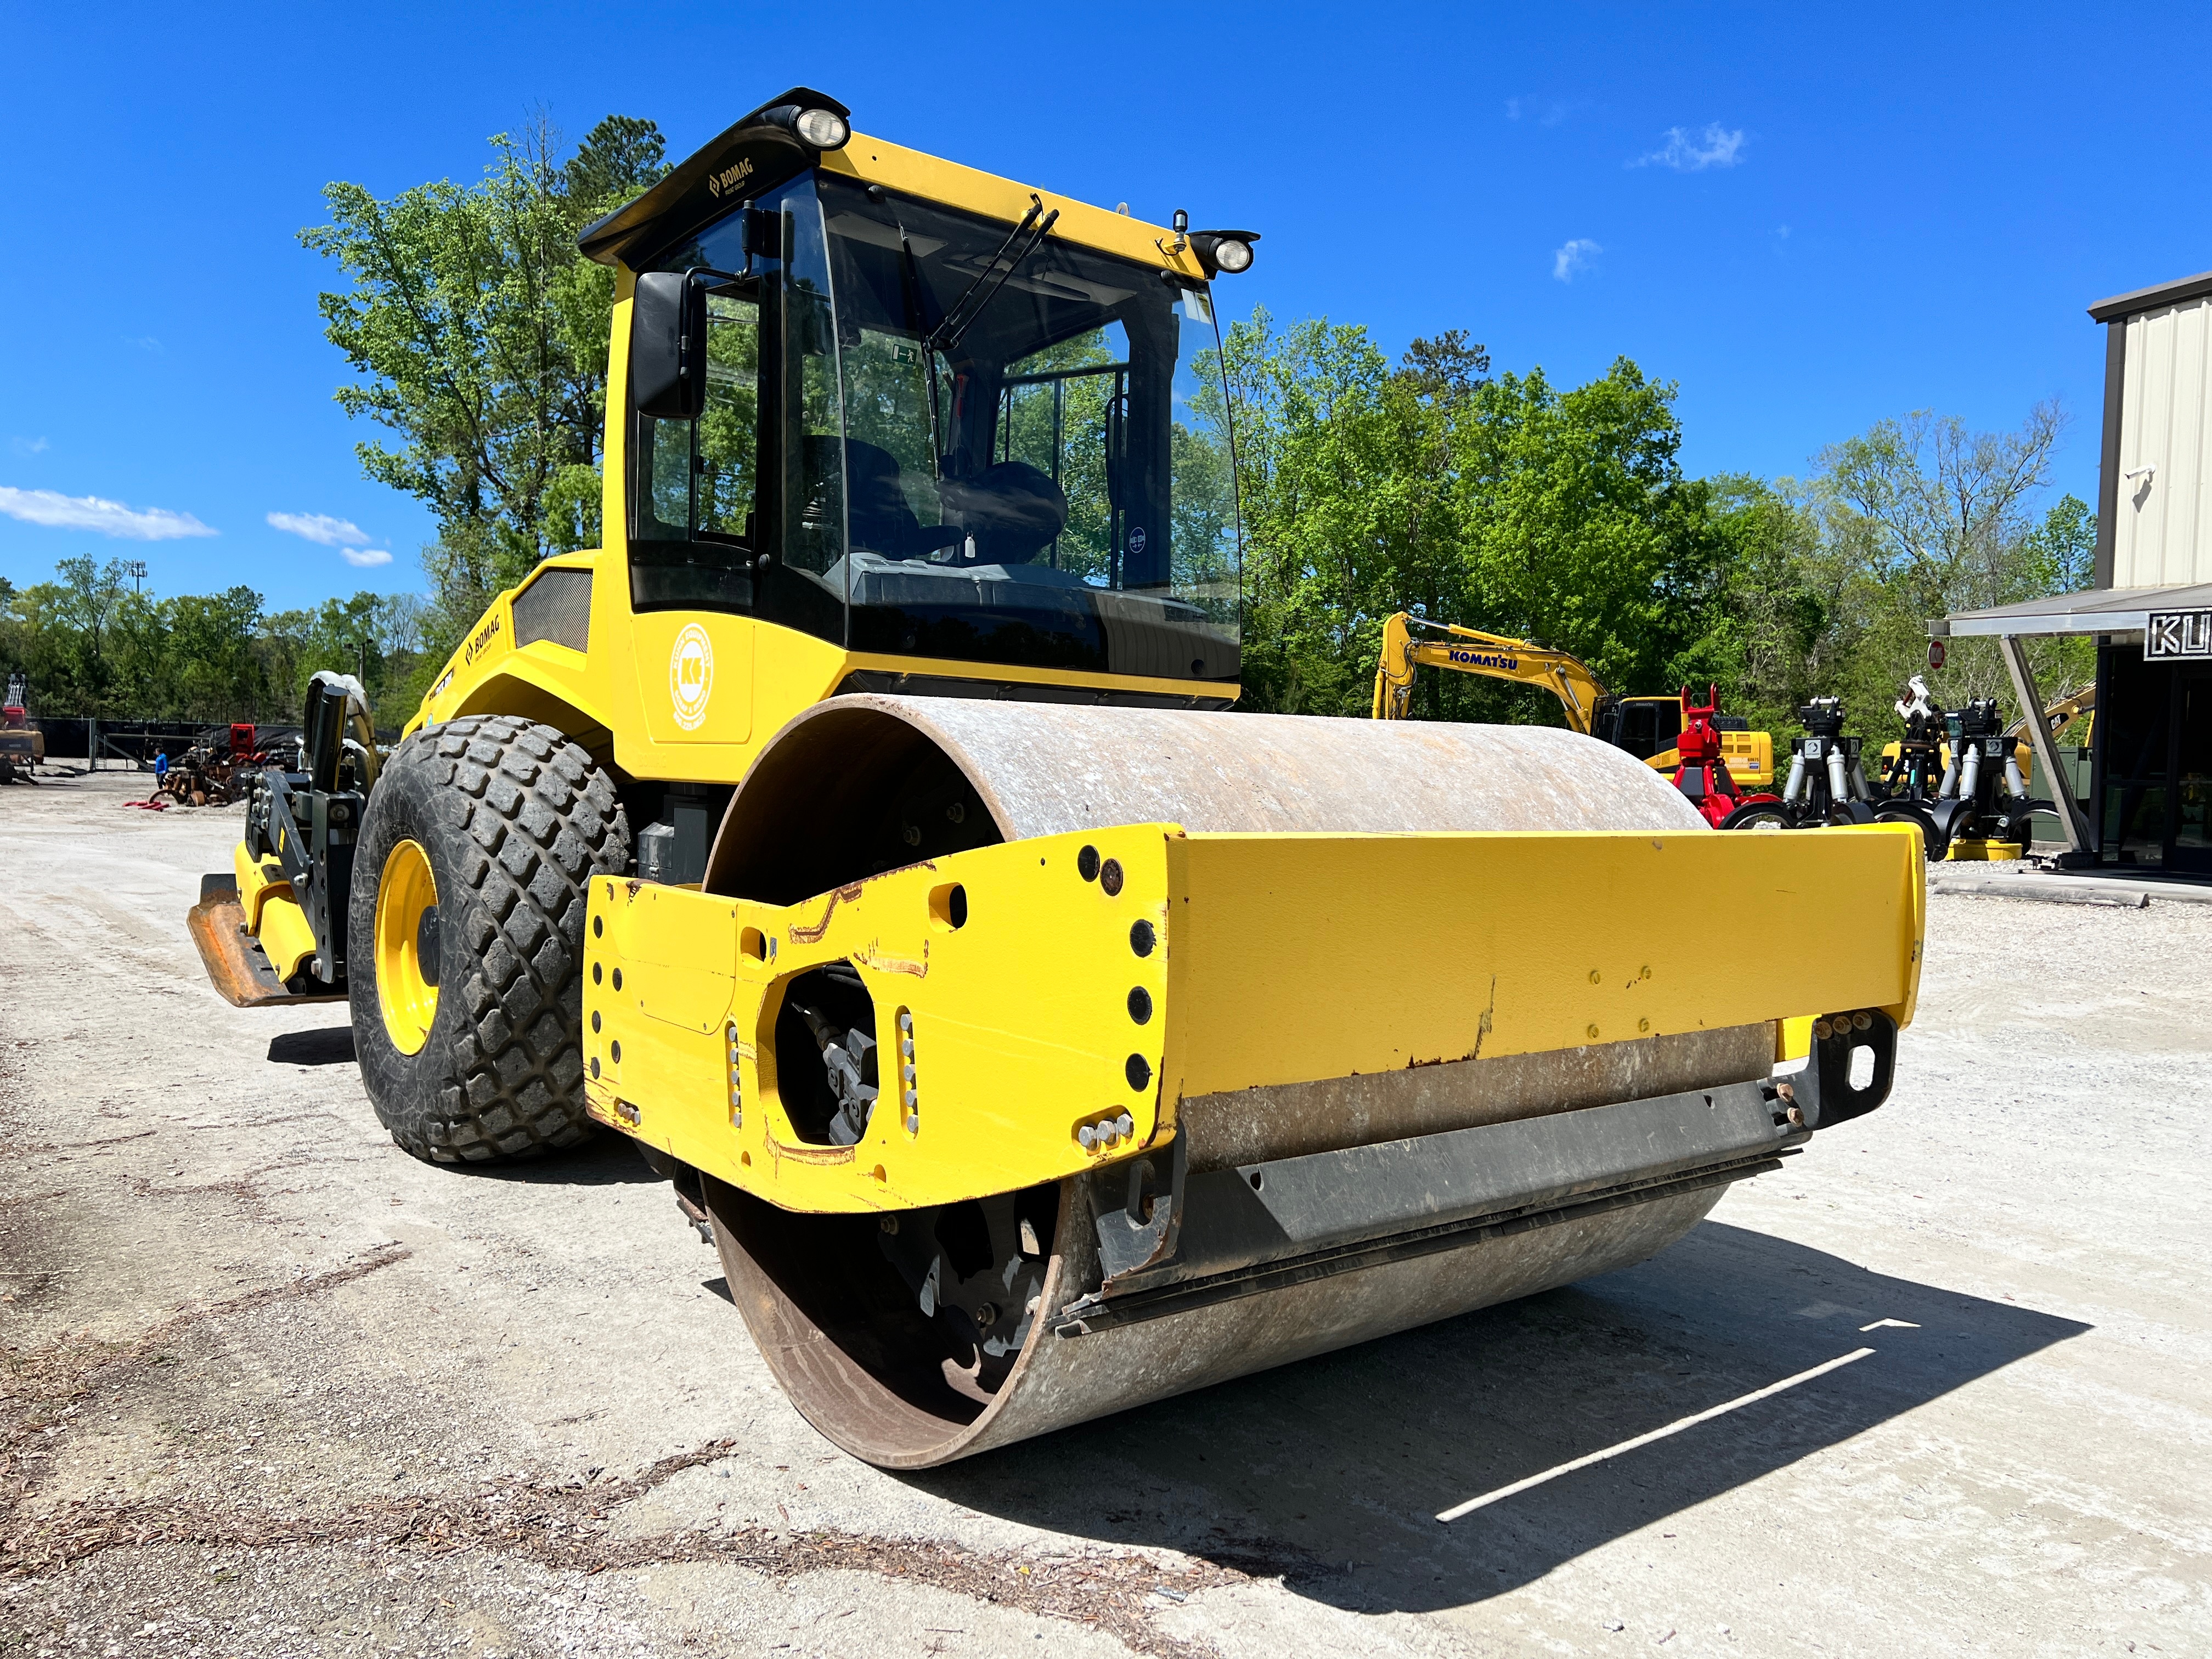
point(273, 1388)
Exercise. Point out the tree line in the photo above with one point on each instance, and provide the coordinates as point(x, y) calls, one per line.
point(91, 643)
point(478, 339)
point(1563, 515)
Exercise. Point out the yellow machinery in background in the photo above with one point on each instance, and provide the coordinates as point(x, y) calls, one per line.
point(860, 832)
point(1646, 727)
point(2071, 721)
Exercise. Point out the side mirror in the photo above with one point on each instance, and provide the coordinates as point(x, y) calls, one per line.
point(668, 346)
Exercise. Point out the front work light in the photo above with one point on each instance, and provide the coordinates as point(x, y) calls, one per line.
point(826, 129)
point(1220, 251)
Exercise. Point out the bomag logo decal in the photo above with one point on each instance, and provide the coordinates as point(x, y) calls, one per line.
point(1485, 659)
point(729, 178)
point(482, 640)
point(691, 675)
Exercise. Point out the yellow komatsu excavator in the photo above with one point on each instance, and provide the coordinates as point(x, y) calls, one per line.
point(1648, 727)
point(862, 833)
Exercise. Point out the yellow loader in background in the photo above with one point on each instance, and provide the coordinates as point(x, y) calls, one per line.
point(1649, 729)
point(862, 833)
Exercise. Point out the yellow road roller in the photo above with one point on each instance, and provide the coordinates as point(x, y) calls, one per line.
point(866, 832)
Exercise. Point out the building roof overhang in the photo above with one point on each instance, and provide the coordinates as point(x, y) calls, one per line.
point(2121, 306)
point(2100, 611)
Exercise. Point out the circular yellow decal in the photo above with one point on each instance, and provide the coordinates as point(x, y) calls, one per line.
point(691, 675)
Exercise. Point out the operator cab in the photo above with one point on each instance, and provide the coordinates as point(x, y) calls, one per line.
point(925, 431)
point(1644, 727)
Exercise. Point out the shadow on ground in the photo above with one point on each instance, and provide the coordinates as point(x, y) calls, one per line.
point(332, 1046)
point(602, 1159)
point(1331, 1472)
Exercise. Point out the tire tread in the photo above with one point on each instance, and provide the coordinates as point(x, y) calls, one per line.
point(536, 820)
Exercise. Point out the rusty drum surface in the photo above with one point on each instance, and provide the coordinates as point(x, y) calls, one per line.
point(1047, 769)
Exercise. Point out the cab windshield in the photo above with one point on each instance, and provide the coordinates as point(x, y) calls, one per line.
point(1002, 446)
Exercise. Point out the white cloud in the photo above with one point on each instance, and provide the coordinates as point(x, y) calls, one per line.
point(1573, 257)
point(1545, 112)
point(29, 446)
point(320, 529)
point(349, 537)
point(51, 507)
point(1717, 147)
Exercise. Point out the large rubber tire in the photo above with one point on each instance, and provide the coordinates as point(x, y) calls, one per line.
point(1761, 814)
point(514, 820)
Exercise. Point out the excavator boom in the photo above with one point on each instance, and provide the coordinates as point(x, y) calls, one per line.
point(1409, 643)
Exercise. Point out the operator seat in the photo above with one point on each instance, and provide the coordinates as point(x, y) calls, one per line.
point(1013, 510)
point(878, 519)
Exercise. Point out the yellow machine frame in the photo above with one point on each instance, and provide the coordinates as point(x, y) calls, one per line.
point(1019, 1028)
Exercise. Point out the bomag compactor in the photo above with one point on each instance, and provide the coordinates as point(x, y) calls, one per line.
point(863, 831)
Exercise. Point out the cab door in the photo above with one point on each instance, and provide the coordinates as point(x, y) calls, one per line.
point(693, 540)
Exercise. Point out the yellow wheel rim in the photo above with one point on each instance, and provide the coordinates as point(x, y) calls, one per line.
point(407, 946)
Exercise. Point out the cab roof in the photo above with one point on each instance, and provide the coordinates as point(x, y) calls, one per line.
point(761, 151)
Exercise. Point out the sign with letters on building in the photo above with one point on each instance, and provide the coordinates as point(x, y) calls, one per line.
point(2178, 636)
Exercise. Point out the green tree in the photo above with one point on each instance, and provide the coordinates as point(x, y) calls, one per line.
point(1920, 517)
point(2060, 554)
point(84, 606)
point(1315, 448)
point(481, 337)
point(1504, 503)
point(211, 640)
point(1770, 640)
point(1585, 533)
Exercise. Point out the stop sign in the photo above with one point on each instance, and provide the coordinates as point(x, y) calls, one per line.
point(1934, 653)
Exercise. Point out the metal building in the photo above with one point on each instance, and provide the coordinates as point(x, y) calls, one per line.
point(2149, 802)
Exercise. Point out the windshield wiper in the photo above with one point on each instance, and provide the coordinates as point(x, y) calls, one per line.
point(947, 335)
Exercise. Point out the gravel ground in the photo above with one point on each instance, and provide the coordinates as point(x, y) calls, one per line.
point(273, 1388)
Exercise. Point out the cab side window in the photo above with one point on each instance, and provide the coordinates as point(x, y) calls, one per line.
point(703, 477)
point(726, 451)
point(698, 481)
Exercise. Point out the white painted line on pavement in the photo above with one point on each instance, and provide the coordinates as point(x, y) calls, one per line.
point(1706, 1416)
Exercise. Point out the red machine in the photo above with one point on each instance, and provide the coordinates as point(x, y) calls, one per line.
point(1701, 774)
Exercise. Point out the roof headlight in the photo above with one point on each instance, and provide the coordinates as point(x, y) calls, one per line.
point(823, 129)
point(1223, 251)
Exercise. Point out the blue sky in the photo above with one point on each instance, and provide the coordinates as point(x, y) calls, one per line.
point(1811, 217)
